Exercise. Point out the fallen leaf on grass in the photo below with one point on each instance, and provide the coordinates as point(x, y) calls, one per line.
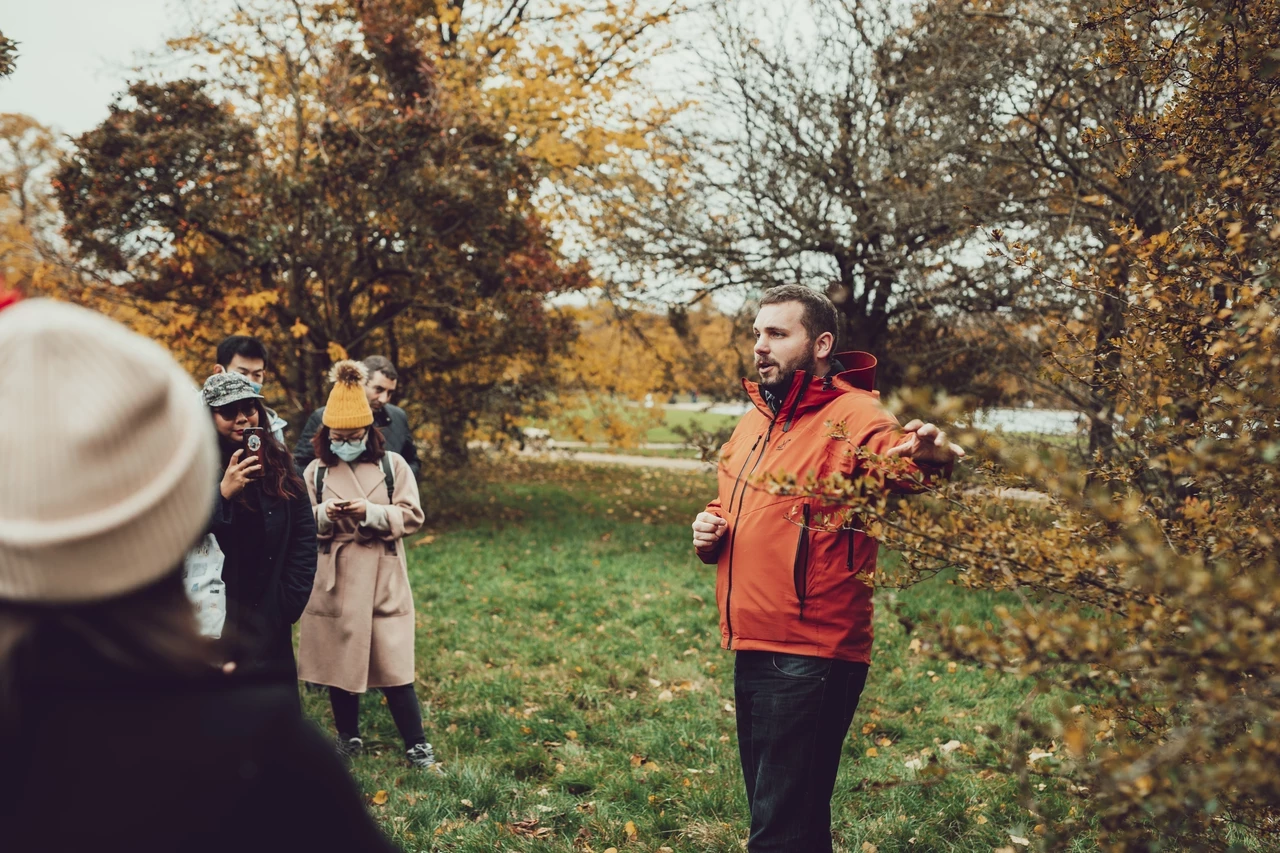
point(868, 847)
point(950, 746)
point(380, 798)
point(666, 696)
point(529, 828)
point(631, 830)
point(425, 540)
point(1020, 841)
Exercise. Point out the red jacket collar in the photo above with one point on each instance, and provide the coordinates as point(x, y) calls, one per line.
point(809, 392)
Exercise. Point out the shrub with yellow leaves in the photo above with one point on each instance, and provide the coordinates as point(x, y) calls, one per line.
point(1144, 586)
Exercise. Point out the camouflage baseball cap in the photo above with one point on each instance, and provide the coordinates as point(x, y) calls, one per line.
point(222, 388)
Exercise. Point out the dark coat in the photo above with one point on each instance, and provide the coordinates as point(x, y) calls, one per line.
point(108, 760)
point(263, 622)
point(391, 421)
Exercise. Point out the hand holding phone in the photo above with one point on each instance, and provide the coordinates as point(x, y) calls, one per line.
point(335, 509)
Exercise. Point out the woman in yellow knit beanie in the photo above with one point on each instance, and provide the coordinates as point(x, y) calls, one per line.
point(358, 629)
point(348, 407)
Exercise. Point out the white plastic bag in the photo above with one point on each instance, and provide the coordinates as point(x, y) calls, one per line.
point(202, 579)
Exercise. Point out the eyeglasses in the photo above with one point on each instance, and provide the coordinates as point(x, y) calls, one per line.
point(229, 411)
point(349, 439)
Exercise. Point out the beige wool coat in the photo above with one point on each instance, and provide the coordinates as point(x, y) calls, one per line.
point(358, 629)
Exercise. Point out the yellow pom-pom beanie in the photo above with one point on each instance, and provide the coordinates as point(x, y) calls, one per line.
point(348, 406)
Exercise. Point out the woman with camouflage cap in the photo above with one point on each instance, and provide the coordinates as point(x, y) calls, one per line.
point(264, 526)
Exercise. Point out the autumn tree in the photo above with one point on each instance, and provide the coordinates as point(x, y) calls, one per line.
point(1142, 583)
point(319, 188)
point(807, 164)
point(622, 355)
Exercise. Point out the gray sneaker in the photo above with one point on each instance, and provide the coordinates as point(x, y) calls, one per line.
point(421, 755)
point(348, 747)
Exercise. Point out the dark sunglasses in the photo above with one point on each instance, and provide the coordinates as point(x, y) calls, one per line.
point(240, 407)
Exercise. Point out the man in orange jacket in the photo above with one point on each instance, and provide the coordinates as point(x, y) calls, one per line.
point(793, 594)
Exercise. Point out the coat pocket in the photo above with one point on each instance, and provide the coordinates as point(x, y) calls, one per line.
point(800, 570)
point(326, 602)
point(391, 596)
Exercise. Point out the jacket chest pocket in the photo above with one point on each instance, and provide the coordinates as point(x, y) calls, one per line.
point(837, 458)
point(391, 596)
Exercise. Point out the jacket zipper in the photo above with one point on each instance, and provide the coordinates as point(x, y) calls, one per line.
point(800, 571)
point(734, 493)
point(733, 533)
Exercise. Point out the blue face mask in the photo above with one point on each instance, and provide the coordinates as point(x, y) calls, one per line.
point(348, 451)
point(256, 386)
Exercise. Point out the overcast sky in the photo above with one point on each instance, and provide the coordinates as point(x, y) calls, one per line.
point(74, 56)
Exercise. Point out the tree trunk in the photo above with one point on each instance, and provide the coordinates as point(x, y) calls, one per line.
point(1106, 364)
point(452, 446)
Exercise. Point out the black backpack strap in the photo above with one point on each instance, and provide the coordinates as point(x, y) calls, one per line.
point(320, 472)
point(389, 476)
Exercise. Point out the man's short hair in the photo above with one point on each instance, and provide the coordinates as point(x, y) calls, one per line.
point(382, 364)
point(819, 314)
point(244, 346)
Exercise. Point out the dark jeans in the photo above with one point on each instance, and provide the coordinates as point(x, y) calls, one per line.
point(401, 701)
point(793, 715)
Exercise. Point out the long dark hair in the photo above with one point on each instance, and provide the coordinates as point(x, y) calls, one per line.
point(375, 447)
point(149, 631)
point(279, 478)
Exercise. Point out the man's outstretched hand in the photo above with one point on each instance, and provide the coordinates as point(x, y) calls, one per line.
point(708, 528)
point(927, 444)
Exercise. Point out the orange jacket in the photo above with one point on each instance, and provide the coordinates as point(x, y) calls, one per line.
point(784, 585)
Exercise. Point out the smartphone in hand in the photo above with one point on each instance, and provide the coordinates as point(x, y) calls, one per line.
point(253, 446)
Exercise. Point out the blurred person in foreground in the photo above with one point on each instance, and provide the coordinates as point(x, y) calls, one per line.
point(247, 356)
point(390, 420)
point(358, 630)
point(117, 730)
point(793, 591)
point(263, 523)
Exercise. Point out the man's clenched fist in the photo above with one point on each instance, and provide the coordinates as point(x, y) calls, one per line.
point(707, 530)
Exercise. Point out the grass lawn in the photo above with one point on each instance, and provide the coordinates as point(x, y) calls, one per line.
point(669, 418)
point(688, 420)
point(569, 668)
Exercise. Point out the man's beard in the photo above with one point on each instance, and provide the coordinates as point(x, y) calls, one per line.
point(786, 375)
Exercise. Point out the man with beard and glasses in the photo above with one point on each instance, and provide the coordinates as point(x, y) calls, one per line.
point(791, 584)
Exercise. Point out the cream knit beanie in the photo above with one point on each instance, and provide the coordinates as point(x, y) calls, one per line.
point(109, 458)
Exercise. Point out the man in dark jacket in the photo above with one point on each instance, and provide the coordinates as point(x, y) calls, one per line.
point(390, 420)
